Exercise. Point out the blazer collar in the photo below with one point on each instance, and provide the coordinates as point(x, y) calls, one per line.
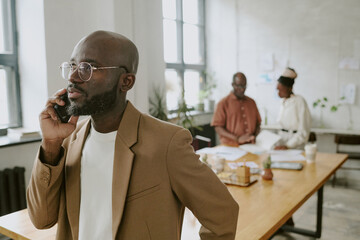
point(72, 173)
point(123, 159)
point(126, 137)
point(128, 129)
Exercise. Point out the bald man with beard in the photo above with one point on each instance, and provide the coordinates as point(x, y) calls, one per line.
point(119, 173)
point(236, 118)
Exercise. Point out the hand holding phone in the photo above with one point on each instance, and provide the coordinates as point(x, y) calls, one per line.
point(61, 111)
point(54, 132)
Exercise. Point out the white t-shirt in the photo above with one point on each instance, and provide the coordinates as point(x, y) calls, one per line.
point(95, 221)
point(294, 116)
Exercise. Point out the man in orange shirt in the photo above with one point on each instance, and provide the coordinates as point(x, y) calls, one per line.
point(237, 119)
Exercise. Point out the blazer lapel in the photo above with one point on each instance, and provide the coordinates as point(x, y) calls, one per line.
point(123, 160)
point(72, 183)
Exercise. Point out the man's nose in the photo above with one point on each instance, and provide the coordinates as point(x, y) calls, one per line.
point(74, 77)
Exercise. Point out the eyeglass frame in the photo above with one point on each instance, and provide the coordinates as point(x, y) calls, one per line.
point(92, 69)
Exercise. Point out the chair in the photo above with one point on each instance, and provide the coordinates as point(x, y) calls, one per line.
point(196, 142)
point(347, 140)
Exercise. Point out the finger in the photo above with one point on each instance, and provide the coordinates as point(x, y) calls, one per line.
point(44, 115)
point(60, 92)
point(55, 99)
point(51, 111)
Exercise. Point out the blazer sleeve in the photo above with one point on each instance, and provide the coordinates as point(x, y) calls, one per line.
point(43, 192)
point(200, 190)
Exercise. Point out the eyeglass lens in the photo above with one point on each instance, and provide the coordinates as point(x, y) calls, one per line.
point(84, 70)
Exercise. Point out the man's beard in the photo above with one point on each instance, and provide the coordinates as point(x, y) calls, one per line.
point(96, 105)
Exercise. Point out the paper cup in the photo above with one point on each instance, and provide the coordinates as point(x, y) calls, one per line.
point(310, 152)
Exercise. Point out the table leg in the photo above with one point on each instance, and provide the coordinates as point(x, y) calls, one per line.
point(305, 232)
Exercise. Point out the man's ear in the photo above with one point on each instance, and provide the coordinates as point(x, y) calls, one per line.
point(127, 81)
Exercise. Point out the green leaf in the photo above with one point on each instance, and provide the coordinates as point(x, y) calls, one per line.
point(315, 104)
point(323, 105)
point(325, 99)
point(333, 108)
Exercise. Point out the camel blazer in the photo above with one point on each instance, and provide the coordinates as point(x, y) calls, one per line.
point(156, 174)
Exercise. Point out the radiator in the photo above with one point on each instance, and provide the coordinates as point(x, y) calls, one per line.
point(12, 190)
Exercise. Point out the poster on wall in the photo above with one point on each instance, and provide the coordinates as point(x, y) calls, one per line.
point(266, 62)
point(266, 78)
point(349, 63)
point(347, 93)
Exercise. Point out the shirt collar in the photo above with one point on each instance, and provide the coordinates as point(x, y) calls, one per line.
point(292, 96)
point(233, 97)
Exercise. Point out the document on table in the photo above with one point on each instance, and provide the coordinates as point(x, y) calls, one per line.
point(229, 153)
point(265, 141)
point(287, 155)
point(253, 148)
point(249, 164)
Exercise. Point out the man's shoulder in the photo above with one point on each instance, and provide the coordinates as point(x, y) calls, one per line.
point(154, 124)
point(299, 98)
point(227, 98)
point(250, 100)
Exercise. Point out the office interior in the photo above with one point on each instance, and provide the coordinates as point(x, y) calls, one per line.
point(319, 39)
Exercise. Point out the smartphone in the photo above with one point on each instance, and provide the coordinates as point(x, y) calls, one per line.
point(62, 110)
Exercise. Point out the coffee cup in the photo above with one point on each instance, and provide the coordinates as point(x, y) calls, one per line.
point(310, 152)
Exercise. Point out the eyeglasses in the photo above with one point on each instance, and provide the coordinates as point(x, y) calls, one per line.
point(84, 69)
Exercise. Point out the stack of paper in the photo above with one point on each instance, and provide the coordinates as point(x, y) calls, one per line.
point(23, 133)
point(229, 153)
point(265, 141)
point(249, 164)
point(286, 155)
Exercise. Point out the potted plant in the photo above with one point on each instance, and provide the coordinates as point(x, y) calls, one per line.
point(201, 106)
point(267, 173)
point(322, 104)
point(158, 105)
point(184, 118)
point(206, 93)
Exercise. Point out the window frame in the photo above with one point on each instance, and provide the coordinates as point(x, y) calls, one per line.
point(10, 59)
point(181, 66)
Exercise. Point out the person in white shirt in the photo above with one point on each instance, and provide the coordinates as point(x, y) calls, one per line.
point(294, 117)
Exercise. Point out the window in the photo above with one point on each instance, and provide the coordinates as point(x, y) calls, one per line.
point(184, 50)
point(9, 78)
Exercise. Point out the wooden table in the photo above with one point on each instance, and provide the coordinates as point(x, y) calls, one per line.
point(264, 206)
point(18, 226)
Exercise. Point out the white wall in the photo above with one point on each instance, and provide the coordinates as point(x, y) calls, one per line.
point(48, 31)
point(221, 41)
point(66, 22)
point(311, 36)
